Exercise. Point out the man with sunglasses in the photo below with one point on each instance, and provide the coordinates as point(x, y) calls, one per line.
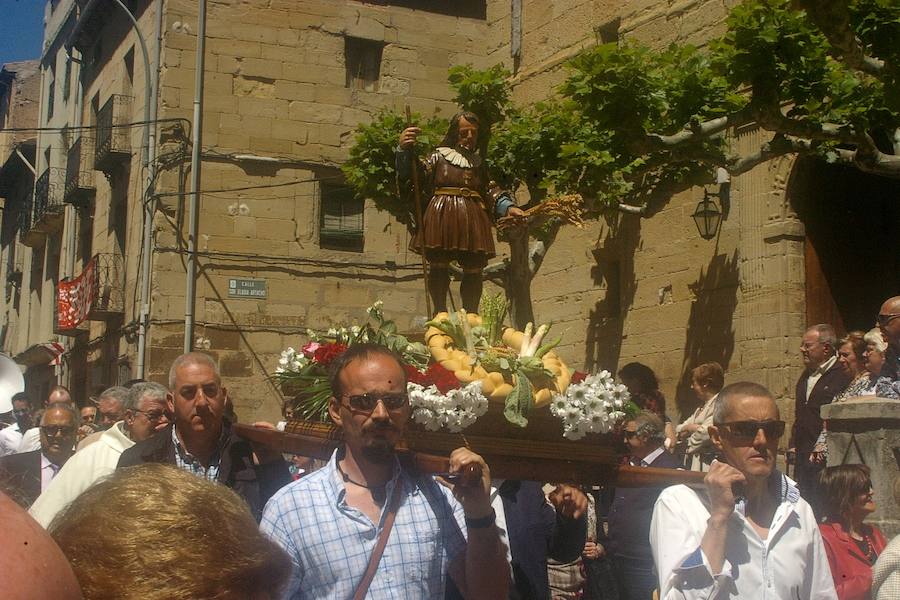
point(201, 441)
point(330, 521)
point(144, 415)
point(888, 384)
point(11, 437)
point(27, 474)
point(748, 534)
point(822, 379)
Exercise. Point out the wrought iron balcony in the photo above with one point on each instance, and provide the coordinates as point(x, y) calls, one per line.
point(80, 172)
point(48, 205)
point(113, 139)
point(109, 287)
point(96, 294)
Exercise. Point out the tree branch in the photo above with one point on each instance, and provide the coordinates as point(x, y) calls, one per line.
point(833, 20)
point(696, 131)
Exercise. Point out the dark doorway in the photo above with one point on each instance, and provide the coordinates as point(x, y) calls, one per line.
point(852, 251)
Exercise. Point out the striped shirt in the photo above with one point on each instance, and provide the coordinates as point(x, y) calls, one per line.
point(330, 542)
point(185, 460)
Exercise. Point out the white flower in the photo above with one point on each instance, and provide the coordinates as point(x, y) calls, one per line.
point(591, 406)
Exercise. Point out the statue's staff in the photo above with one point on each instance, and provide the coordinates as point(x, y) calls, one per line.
point(420, 223)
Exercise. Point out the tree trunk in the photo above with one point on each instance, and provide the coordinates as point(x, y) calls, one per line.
point(518, 280)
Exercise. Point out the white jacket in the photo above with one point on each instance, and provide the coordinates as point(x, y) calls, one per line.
point(80, 472)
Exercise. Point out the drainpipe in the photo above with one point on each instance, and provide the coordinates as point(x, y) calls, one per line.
point(196, 137)
point(148, 204)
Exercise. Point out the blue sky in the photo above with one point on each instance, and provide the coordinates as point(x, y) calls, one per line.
point(21, 29)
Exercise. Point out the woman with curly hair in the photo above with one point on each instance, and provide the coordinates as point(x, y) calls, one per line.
point(155, 532)
point(852, 546)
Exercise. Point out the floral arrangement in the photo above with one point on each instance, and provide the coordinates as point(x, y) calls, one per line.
point(592, 404)
point(468, 362)
point(439, 400)
point(306, 371)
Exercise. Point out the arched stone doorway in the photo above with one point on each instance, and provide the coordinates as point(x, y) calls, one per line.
point(852, 249)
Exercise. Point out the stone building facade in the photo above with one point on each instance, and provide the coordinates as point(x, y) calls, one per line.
point(286, 83)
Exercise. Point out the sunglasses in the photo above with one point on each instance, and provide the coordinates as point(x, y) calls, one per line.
point(749, 429)
point(366, 403)
point(629, 434)
point(189, 392)
point(883, 320)
point(55, 430)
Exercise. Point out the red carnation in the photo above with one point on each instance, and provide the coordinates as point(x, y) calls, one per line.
point(578, 377)
point(327, 353)
point(441, 378)
point(413, 375)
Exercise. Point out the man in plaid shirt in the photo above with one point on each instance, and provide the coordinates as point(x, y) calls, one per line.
point(330, 521)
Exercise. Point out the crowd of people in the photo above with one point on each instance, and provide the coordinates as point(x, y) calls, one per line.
point(150, 493)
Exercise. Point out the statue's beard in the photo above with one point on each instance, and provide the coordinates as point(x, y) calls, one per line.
point(467, 152)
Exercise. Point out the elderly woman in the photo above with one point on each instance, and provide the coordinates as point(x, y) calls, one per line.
point(852, 546)
point(873, 357)
point(852, 350)
point(851, 357)
point(693, 435)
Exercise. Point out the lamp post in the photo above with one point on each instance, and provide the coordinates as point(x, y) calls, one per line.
point(707, 216)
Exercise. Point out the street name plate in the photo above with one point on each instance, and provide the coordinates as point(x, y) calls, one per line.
point(247, 288)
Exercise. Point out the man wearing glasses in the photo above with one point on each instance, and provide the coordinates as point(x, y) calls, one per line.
point(331, 521)
point(888, 385)
point(25, 475)
point(748, 534)
point(144, 415)
point(201, 441)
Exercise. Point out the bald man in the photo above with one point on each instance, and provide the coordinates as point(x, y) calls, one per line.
point(31, 563)
point(888, 385)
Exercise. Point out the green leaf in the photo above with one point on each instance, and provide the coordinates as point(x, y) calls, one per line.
point(519, 402)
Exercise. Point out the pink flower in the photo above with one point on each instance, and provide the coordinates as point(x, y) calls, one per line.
point(310, 349)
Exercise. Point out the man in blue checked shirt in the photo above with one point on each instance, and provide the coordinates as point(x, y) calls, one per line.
point(330, 521)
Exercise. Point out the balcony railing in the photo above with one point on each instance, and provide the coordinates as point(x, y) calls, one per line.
point(109, 290)
point(48, 205)
point(96, 294)
point(113, 139)
point(80, 172)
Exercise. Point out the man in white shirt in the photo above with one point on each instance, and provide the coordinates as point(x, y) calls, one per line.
point(145, 414)
point(749, 534)
point(11, 437)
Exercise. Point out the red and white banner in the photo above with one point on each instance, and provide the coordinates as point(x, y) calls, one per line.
point(75, 297)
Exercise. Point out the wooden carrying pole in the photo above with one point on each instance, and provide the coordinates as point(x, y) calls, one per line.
point(420, 224)
point(321, 443)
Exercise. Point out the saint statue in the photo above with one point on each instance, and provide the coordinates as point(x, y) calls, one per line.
point(463, 204)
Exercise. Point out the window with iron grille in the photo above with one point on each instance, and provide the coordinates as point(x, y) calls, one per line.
point(67, 79)
point(51, 92)
point(363, 63)
point(341, 218)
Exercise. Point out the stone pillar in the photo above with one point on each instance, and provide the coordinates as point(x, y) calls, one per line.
point(867, 430)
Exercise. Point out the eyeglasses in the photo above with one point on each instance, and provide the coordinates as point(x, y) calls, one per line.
point(629, 434)
point(189, 392)
point(153, 416)
point(883, 320)
point(55, 430)
point(748, 429)
point(366, 403)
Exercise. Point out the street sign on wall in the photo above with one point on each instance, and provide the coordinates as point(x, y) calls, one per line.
point(247, 288)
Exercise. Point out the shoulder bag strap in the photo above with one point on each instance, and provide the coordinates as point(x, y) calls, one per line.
point(363, 587)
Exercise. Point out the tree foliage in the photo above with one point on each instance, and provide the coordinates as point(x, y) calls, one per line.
point(628, 121)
